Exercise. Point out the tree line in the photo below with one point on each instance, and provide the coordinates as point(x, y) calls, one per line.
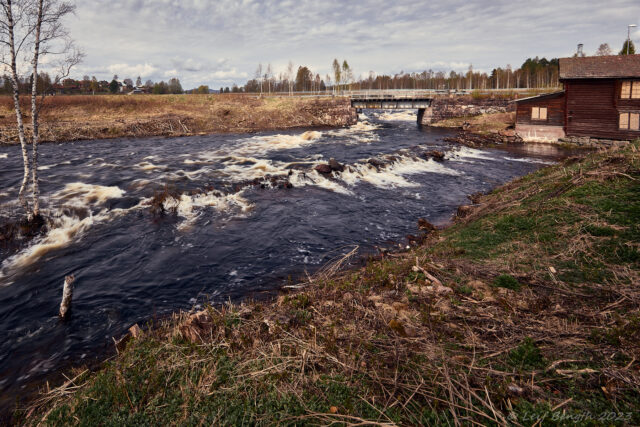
point(88, 85)
point(535, 73)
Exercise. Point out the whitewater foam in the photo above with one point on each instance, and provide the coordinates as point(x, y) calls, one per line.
point(398, 116)
point(264, 144)
point(191, 207)
point(529, 160)
point(301, 179)
point(73, 216)
point(148, 166)
point(463, 153)
point(393, 174)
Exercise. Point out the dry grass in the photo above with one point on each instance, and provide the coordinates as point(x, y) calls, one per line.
point(482, 124)
point(66, 118)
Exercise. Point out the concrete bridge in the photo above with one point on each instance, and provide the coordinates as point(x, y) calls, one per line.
point(391, 100)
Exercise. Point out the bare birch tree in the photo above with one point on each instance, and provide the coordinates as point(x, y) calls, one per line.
point(50, 38)
point(337, 73)
point(39, 24)
point(268, 75)
point(14, 34)
point(290, 77)
point(259, 76)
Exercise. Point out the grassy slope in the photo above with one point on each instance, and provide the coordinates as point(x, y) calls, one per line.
point(538, 316)
point(65, 118)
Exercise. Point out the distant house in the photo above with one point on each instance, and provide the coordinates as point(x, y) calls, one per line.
point(137, 91)
point(601, 99)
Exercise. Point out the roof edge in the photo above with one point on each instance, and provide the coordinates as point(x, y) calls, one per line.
point(545, 95)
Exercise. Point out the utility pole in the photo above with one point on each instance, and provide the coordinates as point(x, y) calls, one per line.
point(629, 35)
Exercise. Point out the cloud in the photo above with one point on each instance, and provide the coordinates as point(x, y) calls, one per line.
point(439, 66)
point(189, 64)
point(207, 42)
point(231, 74)
point(142, 70)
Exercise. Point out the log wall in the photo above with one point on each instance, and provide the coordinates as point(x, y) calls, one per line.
point(555, 111)
point(593, 107)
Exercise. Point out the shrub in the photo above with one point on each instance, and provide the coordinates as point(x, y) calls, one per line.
point(526, 356)
point(506, 281)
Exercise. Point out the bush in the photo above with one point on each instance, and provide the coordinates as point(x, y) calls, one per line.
point(526, 356)
point(506, 281)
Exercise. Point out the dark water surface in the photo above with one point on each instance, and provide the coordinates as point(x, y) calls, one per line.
point(227, 242)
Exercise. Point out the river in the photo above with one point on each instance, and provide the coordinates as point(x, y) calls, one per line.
point(226, 241)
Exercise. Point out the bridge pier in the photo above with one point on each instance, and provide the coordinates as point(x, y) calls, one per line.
point(425, 115)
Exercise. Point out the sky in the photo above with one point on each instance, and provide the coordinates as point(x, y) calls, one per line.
point(221, 42)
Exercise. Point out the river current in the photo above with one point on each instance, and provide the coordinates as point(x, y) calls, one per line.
point(227, 239)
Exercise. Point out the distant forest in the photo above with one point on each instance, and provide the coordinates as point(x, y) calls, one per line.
point(533, 73)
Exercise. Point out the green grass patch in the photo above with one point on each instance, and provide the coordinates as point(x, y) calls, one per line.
point(506, 281)
point(526, 356)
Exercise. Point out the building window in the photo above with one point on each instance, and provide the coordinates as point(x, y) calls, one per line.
point(630, 90)
point(539, 113)
point(630, 121)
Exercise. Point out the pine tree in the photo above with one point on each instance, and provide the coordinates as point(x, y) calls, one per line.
point(113, 86)
point(630, 51)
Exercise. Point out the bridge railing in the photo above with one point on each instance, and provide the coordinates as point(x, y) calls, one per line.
point(393, 94)
point(428, 93)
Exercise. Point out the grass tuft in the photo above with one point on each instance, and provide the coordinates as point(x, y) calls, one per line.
point(506, 281)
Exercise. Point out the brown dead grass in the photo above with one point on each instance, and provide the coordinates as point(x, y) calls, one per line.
point(482, 124)
point(68, 118)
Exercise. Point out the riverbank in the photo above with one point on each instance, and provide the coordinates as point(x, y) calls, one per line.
point(85, 117)
point(526, 308)
point(482, 124)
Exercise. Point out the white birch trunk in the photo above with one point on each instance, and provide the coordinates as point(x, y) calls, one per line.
point(34, 113)
point(16, 103)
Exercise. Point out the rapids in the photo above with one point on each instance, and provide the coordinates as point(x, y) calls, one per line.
point(228, 238)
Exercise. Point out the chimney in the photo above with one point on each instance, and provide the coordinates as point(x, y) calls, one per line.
point(580, 53)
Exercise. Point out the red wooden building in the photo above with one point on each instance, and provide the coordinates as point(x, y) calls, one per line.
point(601, 99)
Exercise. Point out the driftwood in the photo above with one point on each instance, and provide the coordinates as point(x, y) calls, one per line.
point(67, 295)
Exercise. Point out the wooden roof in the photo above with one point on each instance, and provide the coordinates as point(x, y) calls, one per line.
point(539, 97)
point(600, 67)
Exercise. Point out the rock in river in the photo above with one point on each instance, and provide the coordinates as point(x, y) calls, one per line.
point(323, 169)
point(335, 165)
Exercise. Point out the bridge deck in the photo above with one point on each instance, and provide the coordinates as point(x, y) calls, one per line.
point(385, 103)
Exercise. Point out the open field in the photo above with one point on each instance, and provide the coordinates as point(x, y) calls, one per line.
point(526, 311)
point(68, 118)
